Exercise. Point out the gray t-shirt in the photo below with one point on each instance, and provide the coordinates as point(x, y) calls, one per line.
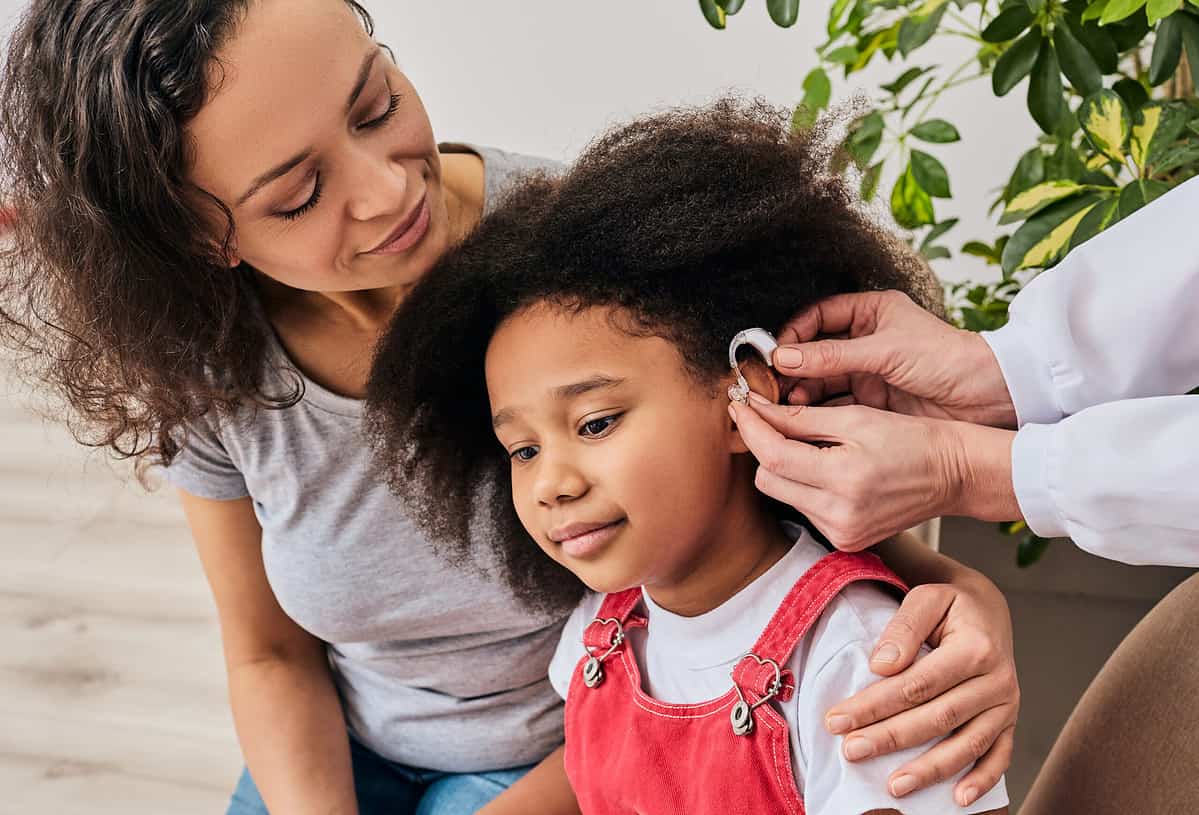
point(438, 667)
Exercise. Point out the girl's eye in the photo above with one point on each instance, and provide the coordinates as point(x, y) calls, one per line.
point(393, 105)
point(313, 200)
point(524, 454)
point(598, 427)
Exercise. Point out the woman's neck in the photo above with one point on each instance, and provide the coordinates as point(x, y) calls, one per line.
point(748, 540)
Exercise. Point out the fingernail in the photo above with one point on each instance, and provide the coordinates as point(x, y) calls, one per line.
point(968, 797)
point(902, 785)
point(887, 652)
point(858, 748)
point(789, 357)
point(838, 724)
point(757, 397)
point(733, 411)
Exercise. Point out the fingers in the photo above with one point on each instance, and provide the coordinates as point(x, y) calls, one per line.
point(987, 771)
point(775, 449)
point(920, 614)
point(949, 757)
point(827, 358)
point(832, 316)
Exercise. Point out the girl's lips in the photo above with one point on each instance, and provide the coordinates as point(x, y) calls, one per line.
point(591, 542)
point(408, 233)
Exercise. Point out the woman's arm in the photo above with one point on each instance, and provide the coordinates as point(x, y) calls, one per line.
point(1000, 811)
point(545, 790)
point(967, 686)
point(285, 707)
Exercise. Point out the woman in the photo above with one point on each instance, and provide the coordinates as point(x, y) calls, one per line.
point(221, 204)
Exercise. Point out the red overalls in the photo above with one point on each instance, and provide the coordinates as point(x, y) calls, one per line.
point(629, 754)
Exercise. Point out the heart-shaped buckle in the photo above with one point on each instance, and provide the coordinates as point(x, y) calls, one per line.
point(593, 668)
point(742, 716)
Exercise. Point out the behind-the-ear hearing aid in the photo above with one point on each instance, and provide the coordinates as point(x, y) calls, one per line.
point(760, 340)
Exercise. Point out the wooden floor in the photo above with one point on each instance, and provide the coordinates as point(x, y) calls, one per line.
point(112, 696)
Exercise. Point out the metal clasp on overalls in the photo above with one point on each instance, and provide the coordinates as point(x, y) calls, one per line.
point(742, 717)
point(593, 669)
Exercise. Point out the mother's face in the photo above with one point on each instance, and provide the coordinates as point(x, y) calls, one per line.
point(322, 150)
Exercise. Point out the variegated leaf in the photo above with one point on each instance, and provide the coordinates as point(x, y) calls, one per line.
point(1031, 201)
point(1105, 120)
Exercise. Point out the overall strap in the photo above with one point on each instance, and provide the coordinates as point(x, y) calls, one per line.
point(799, 611)
point(615, 615)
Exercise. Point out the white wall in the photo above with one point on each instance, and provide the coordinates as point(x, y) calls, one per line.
point(544, 76)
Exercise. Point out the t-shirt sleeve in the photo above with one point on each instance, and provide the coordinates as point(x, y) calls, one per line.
point(203, 466)
point(832, 784)
point(570, 646)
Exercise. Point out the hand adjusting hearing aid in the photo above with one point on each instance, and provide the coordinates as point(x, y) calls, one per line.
point(760, 340)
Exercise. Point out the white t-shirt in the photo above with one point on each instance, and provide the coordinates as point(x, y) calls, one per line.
point(687, 660)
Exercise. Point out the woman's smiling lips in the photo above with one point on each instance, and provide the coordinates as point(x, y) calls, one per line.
point(410, 230)
point(579, 540)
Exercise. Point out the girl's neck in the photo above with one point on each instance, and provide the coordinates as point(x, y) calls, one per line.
point(747, 543)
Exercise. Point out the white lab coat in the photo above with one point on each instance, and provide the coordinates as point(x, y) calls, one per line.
point(1096, 356)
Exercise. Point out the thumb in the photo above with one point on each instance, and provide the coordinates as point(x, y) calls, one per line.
point(834, 358)
point(918, 617)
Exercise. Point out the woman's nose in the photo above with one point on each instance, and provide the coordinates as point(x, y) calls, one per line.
point(379, 187)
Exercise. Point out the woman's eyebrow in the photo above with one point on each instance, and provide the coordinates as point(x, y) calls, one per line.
point(277, 172)
point(597, 382)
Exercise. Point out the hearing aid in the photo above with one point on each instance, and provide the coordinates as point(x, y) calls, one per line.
point(761, 341)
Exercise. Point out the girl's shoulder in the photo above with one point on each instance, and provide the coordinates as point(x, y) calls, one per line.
point(570, 644)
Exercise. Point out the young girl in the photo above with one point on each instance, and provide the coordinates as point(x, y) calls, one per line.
point(586, 326)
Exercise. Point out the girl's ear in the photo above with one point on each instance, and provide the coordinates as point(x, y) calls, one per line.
point(763, 381)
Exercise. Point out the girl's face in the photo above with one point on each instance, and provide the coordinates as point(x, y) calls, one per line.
point(623, 466)
point(322, 150)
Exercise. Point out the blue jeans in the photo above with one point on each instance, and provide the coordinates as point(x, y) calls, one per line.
point(386, 788)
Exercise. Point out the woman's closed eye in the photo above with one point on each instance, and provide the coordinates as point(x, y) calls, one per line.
point(393, 104)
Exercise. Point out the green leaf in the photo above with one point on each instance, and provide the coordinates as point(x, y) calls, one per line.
point(1015, 63)
point(869, 45)
point(1181, 155)
point(1157, 126)
point(930, 174)
point(937, 131)
point(1030, 171)
point(1064, 164)
point(783, 12)
point(1167, 50)
point(1008, 24)
point(1119, 9)
point(906, 78)
point(869, 185)
point(1160, 9)
point(713, 13)
point(1105, 120)
point(1044, 237)
point(1045, 100)
point(835, 14)
point(915, 31)
point(937, 231)
point(730, 7)
point(1098, 42)
point(981, 250)
point(1132, 92)
point(1031, 201)
point(1190, 41)
point(1097, 219)
point(1030, 549)
point(865, 137)
point(1077, 63)
point(1139, 193)
point(935, 253)
point(845, 55)
point(1095, 10)
point(910, 205)
point(1129, 32)
point(817, 89)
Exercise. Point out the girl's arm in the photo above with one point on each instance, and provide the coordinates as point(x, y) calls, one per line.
point(285, 707)
point(967, 686)
point(545, 790)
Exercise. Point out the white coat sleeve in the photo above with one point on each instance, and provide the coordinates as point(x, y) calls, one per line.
point(1115, 322)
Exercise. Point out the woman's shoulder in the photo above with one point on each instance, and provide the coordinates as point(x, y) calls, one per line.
point(501, 168)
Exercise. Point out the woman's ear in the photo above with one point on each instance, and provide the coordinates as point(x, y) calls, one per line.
point(763, 381)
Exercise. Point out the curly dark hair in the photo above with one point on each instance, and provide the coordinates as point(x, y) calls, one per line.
point(112, 284)
point(695, 223)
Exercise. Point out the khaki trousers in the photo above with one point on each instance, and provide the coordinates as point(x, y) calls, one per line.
point(1131, 746)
